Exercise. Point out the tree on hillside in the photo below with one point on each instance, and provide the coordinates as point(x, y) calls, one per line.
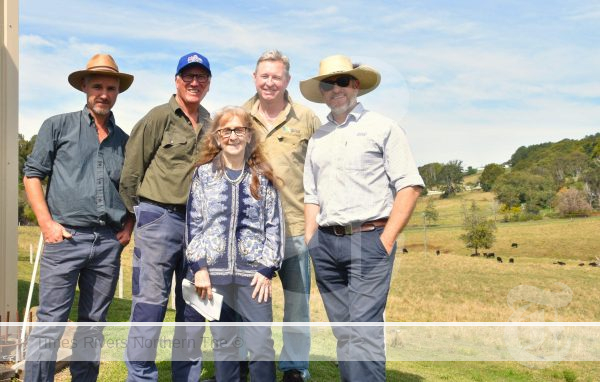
point(450, 178)
point(430, 213)
point(26, 215)
point(489, 175)
point(518, 187)
point(480, 231)
point(591, 179)
point(430, 174)
point(572, 202)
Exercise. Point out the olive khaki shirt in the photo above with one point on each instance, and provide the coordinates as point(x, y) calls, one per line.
point(160, 155)
point(285, 146)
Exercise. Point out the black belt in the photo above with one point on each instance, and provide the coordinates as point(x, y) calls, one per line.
point(179, 208)
point(341, 230)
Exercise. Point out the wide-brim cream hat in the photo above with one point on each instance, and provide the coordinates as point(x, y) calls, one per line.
point(368, 77)
point(101, 64)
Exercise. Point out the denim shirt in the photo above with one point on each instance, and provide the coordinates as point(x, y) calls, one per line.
point(231, 232)
point(83, 174)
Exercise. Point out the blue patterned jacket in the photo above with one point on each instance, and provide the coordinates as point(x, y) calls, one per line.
point(229, 231)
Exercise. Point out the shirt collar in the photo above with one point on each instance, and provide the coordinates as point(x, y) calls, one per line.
point(202, 112)
point(89, 119)
point(356, 113)
point(289, 108)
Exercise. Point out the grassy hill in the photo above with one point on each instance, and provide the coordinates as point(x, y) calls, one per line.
point(451, 287)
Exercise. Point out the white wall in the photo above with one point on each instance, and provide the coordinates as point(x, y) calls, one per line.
point(9, 111)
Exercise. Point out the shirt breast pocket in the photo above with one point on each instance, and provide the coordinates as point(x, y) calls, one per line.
point(362, 156)
point(113, 164)
point(174, 147)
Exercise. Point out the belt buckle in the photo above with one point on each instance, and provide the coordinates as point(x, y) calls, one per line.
point(341, 230)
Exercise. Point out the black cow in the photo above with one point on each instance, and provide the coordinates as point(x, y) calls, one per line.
point(511, 260)
point(499, 259)
point(514, 245)
point(404, 250)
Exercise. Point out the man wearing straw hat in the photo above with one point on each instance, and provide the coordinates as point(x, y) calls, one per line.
point(82, 218)
point(361, 185)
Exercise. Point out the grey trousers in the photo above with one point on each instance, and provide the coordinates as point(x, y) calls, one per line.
point(353, 274)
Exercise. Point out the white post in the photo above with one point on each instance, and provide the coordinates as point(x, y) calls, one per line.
point(173, 292)
point(120, 282)
point(31, 286)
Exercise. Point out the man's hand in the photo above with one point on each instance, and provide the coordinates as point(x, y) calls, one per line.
point(54, 232)
point(387, 244)
point(202, 283)
point(124, 235)
point(262, 288)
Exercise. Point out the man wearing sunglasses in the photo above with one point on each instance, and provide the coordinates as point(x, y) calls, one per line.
point(361, 185)
point(159, 162)
point(286, 127)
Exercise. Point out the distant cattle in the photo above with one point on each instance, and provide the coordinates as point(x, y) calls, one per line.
point(581, 264)
point(437, 252)
point(499, 259)
point(474, 254)
point(511, 260)
point(490, 255)
point(404, 250)
point(594, 264)
point(559, 263)
point(514, 245)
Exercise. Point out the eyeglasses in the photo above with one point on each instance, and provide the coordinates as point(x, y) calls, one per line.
point(226, 133)
point(343, 81)
point(201, 78)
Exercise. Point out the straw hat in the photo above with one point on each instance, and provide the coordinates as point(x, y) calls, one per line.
point(102, 64)
point(368, 77)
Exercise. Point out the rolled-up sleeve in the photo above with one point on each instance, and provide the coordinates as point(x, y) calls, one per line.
point(39, 162)
point(398, 160)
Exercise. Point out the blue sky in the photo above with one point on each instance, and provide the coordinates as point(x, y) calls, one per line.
point(468, 80)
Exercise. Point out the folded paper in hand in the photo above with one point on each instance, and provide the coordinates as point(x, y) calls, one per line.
point(210, 309)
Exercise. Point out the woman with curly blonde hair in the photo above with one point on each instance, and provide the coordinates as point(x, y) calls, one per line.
point(235, 237)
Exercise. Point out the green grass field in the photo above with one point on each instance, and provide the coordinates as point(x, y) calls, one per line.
point(451, 287)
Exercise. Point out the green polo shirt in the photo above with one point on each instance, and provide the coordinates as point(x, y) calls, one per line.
point(160, 155)
point(285, 145)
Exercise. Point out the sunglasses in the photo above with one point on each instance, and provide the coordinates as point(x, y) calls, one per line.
point(342, 81)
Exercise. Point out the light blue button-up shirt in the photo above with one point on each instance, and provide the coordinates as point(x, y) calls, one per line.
point(354, 170)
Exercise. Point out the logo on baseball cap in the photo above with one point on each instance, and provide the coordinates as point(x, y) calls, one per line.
point(193, 59)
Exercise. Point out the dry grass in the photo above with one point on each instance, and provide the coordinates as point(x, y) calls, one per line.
point(452, 287)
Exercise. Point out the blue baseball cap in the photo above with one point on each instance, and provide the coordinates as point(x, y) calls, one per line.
point(193, 59)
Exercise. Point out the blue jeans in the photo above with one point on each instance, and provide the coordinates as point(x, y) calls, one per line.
point(295, 279)
point(158, 253)
point(238, 305)
point(353, 274)
point(91, 258)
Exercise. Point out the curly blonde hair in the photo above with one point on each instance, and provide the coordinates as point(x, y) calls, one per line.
point(254, 156)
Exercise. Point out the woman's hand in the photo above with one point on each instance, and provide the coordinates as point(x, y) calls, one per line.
point(262, 288)
point(202, 283)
